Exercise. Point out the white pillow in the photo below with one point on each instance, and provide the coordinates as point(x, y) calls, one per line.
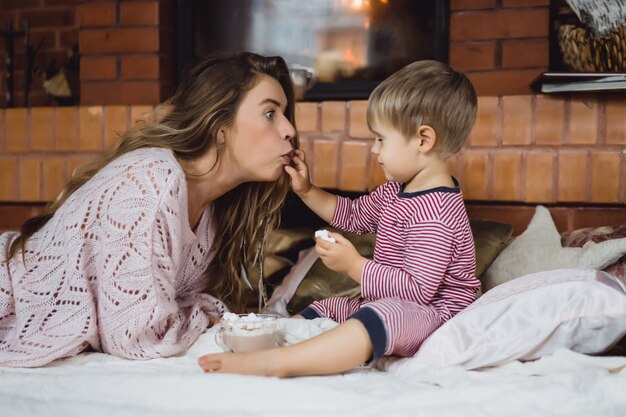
point(539, 249)
point(532, 316)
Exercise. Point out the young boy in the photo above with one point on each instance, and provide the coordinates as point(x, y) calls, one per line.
point(423, 269)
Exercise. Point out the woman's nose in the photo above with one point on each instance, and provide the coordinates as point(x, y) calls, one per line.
point(288, 131)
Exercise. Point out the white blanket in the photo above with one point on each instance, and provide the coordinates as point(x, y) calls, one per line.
point(93, 384)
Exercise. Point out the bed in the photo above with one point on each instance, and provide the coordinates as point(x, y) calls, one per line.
point(522, 349)
point(564, 383)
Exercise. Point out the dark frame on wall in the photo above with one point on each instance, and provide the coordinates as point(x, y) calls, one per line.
point(337, 90)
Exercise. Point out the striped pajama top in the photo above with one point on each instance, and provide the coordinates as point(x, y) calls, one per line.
point(424, 246)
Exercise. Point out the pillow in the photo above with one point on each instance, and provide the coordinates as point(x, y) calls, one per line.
point(310, 280)
point(489, 238)
point(539, 249)
point(580, 309)
point(281, 252)
point(320, 282)
point(590, 235)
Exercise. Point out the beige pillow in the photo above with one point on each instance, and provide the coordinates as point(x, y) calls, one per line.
point(539, 249)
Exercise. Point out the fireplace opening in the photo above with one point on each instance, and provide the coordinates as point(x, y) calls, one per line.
point(350, 45)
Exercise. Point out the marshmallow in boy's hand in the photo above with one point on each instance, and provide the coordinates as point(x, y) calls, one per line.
point(323, 234)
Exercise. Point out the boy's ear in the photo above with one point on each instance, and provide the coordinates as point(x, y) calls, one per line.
point(426, 138)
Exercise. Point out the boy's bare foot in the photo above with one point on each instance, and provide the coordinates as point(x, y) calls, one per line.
point(262, 362)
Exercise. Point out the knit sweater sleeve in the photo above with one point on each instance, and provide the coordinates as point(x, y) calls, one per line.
point(139, 314)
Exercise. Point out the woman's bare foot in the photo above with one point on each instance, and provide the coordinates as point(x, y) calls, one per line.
point(261, 362)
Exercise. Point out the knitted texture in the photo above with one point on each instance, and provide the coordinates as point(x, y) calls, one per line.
point(117, 269)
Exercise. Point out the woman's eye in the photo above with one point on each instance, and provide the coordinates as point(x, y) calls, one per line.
point(269, 114)
point(379, 140)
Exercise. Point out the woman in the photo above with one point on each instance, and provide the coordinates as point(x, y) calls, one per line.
point(124, 260)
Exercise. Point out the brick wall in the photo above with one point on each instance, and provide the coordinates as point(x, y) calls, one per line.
point(126, 51)
point(530, 149)
point(51, 21)
point(524, 149)
point(502, 45)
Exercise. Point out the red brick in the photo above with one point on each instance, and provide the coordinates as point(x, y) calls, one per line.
point(487, 128)
point(49, 17)
point(96, 14)
point(115, 124)
point(30, 179)
point(573, 171)
point(549, 120)
point(106, 41)
point(66, 129)
point(42, 128)
point(8, 179)
point(525, 3)
point(538, 182)
point(306, 117)
point(3, 142)
point(605, 177)
point(583, 120)
point(325, 163)
point(139, 13)
point(19, 4)
point(472, 4)
point(141, 115)
point(615, 120)
point(47, 38)
point(53, 177)
point(68, 38)
point(358, 120)
point(474, 175)
point(333, 116)
point(91, 128)
point(98, 68)
point(525, 54)
point(139, 67)
point(498, 83)
point(353, 174)
point(501, 24)
point(136, 92)
point(507, 175)
point(469, 56)
point(17, 130)
point(516, 121)
point(61, 2)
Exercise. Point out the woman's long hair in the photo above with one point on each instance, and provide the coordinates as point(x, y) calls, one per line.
point(206, 101)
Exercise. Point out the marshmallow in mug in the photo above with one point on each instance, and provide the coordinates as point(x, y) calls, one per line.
point(323, 234)
point(244, 325)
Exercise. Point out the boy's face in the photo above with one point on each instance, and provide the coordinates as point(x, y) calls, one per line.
point(396, 154)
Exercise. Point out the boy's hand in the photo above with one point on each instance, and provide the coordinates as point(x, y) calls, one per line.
point(299, 173)
point(341, 256)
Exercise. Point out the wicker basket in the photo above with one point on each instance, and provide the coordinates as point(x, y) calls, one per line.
point(582, 51)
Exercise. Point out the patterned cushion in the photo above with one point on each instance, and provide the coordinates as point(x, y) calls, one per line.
point(588, 235)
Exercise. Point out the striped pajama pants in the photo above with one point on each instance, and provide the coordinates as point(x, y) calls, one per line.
point(396, 327)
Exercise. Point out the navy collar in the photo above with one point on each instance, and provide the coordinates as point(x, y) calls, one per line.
point(455, 190)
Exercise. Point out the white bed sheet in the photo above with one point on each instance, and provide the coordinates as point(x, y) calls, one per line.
point(93, 384)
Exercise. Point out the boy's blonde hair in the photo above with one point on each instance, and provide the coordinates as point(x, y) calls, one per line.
point(426, 93)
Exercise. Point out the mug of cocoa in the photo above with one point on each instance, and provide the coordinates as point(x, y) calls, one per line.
point(247, 332)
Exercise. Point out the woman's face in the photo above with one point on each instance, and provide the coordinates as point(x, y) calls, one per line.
point(259, 140)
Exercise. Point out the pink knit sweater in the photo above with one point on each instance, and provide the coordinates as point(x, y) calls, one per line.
point(117, 269)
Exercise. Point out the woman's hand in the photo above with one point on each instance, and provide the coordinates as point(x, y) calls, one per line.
point(299, 173)
point(341, 256)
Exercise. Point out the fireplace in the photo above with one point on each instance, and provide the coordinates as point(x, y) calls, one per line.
point(351, 45)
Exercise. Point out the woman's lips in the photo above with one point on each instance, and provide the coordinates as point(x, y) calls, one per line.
point(287, 158)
